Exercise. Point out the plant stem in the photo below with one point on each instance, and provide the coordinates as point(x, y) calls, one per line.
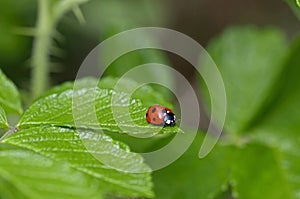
point(40, 57)
point(11, 131)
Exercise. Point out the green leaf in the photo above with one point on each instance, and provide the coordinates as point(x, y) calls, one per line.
point(294, 4)
point(248, 171)
point(250, 61)
point(78, 149)
point(254, 171)
point(57, 110)
point(192, 177)
point(25, 174)
point(9, 96)
point(280, 125)
point(3, 120)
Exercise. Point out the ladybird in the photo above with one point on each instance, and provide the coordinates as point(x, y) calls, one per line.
point(160, 116)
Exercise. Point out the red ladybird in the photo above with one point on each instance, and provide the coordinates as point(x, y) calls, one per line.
point(160, 116)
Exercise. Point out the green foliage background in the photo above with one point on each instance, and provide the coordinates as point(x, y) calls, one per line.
point(44, 156)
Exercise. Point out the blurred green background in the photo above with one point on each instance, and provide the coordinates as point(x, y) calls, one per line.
point(200, 19)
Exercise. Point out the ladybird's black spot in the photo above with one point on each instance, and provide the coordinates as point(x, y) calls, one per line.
point(153, 119)
point(153, 110)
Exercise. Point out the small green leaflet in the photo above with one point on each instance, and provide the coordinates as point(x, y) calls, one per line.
point(3, 120)
point(9, 96)
point(298, 3)
point(76, 149)
point(26, 174)
point(56, 110)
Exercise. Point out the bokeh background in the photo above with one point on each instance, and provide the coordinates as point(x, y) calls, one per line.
point(200, 19)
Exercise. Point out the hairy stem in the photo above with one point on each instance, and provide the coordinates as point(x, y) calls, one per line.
point(40, 57)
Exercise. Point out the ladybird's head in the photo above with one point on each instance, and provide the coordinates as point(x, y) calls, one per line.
point(169, 119)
